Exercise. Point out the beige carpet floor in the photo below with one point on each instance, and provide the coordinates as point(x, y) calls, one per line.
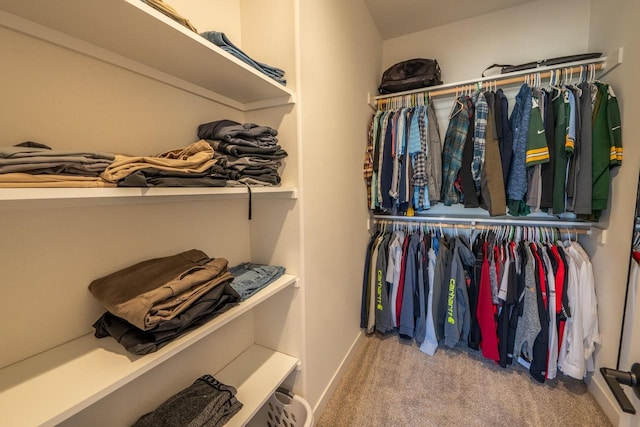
point(392, 383)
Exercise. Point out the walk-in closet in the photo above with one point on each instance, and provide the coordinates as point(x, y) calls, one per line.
point(231, 139)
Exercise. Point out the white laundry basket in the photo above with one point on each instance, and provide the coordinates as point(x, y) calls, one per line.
point(283, 409)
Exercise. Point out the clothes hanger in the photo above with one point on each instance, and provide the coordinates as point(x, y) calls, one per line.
point(457, 106)
point(557, 84)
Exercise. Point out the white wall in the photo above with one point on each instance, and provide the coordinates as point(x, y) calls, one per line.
point(340, 58)
point(614, 23)
point(529, 32)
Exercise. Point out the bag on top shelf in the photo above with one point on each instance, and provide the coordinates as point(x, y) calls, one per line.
point(410, 74)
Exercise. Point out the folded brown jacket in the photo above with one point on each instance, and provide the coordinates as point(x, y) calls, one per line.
point(158, 289)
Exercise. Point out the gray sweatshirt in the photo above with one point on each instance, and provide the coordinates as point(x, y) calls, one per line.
point(457, 320)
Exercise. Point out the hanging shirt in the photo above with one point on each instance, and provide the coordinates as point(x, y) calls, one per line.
point(505, 134)
point(480, 127)
point(607, 146)
point(430, 344)
point(380, 290)
point(486, 310)
point(452, 151)
point(434, 158)
point(393, 270)
point(561, 116)
point(552, 362)
point(537, 149)
point(582, 196)
point(519, 121)
point(491, 179)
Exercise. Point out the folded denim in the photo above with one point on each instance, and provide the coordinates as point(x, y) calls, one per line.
point(206, 402)
point(249, 278)
point(222, 41)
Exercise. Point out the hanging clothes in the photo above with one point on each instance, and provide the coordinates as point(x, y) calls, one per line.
point(607, 145)
point(549, 152)
point(519, 122)
point(511, 295)
point(434, 159)
point(452, 150)
point(398, 166)
point(491, 180)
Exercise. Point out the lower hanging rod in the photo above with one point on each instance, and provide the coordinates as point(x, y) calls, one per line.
point(580, 227)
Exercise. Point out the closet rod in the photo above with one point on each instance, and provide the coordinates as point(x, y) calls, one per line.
point(577, 226)
point(462, 226)
point(501, 79)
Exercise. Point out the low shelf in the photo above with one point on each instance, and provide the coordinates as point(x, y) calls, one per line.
point(68, 378)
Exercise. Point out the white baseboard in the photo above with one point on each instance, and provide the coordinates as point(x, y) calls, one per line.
point(335, 379)
point(600, 391)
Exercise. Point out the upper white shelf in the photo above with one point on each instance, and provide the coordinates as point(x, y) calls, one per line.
point(132, 35)
point(88, 369)
point(17, 198)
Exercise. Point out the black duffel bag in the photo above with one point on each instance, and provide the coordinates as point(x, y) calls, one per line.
point(410, 74)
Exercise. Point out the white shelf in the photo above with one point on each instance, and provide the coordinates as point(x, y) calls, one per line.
point(256, 374)
point(16, 198)
point(132, 35)
point(62, 381)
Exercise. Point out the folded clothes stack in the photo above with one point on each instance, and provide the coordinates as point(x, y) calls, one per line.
point(223, 42)
point(249, 153)
point(191, 166)
point(152, 302)
point(32, 164)
point(206, 402)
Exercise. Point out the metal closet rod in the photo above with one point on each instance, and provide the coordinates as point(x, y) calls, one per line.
point(574, 227)
point(499, 80)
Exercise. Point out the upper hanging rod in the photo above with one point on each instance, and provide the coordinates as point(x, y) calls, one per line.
point(513, 78)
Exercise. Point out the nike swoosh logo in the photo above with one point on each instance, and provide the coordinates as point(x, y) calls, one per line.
point(615, 128)
point(540, 132)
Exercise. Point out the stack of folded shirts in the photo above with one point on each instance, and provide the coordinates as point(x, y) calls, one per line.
point(191, 166)
point(223, 42)
point(206, 402)
point(155, 301)
point(249, 153)
point(32, 164)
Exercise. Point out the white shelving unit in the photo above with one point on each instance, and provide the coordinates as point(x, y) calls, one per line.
point(132, 35)
point(69, 379)
point(97, 367)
